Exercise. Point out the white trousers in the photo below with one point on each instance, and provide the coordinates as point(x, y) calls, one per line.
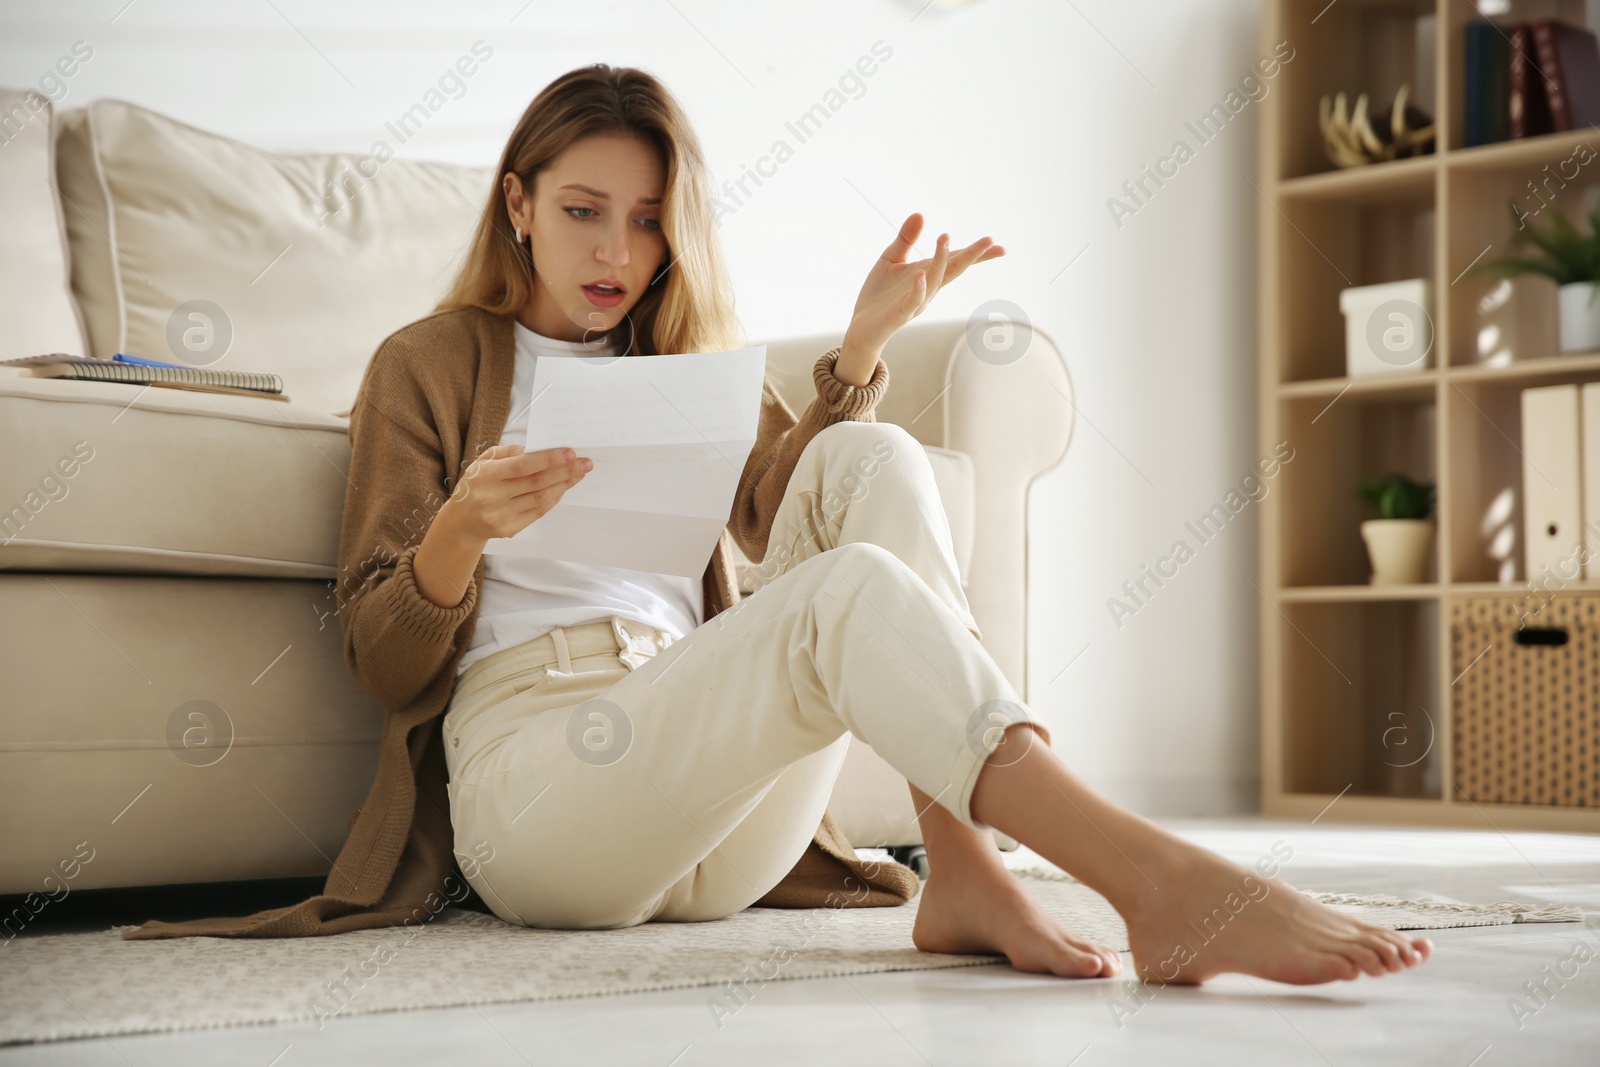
point(605, 775)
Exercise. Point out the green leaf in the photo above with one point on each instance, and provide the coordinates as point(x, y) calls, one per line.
point(1398, 497)
point(1568, 255)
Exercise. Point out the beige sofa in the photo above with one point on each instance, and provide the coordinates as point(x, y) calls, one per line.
point(175, 702)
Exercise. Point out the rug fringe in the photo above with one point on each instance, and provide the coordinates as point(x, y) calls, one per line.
point(1520, 913)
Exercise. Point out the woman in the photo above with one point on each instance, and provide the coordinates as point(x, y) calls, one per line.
point(619, 747)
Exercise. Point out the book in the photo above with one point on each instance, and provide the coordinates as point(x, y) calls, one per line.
point(1486, 84)
point(196, 386)
point(1569, 59)
point(1528, 107)
point(146, 372)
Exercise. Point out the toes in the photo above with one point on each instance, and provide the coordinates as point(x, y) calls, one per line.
point(1388, 952)
point(1076, 963)
point(1409, 956)
point(1109, 960)
point(1404, 951)
point(1366, 958)
point(1318, 968)
point(1345, 969)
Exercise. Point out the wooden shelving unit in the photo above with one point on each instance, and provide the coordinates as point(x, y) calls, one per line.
point(1340, 657)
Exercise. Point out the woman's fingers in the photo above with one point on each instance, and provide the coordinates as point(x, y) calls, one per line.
point(551, 474)
point(905, 239)
point(977, 252)
point(945, 266)
point(941, 259)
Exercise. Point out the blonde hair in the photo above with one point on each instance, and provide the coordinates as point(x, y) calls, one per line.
point(688, 307)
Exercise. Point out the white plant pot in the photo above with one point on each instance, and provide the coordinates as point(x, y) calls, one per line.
point(1399, 549)
point(1580, 317)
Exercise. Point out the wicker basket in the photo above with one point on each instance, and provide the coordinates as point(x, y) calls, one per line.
point(1527, 699)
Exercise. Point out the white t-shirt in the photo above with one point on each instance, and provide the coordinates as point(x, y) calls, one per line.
point(522, 597)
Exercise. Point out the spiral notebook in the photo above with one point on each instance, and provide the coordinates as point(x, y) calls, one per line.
point(149, 372)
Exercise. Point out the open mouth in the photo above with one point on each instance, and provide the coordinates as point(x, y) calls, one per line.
point(603, 294)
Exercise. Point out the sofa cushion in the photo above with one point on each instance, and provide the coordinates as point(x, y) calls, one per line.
point(36, 302)
point(180, 482)
point(184, 482)
point(190, 247)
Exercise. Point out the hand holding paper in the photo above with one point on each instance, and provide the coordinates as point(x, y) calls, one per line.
point(669, 436)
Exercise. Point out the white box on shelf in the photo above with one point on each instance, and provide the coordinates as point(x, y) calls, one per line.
point(1388, 328)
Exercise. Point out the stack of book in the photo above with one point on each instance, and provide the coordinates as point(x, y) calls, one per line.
point(132, 370)
point(1523, 79)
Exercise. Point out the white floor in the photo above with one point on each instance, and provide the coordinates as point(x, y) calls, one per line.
point(1454, 1010)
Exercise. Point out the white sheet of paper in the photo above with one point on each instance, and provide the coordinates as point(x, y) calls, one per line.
point(669, 436)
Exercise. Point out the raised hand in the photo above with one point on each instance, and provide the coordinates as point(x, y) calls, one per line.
point(896, 292)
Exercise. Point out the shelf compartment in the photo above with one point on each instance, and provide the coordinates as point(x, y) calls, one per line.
point(1361, 694)
point(1325, 247)
point(1526, 725)
point(1350, 47)
point(1335, 446)
point(1461, 12)
point(1494, 321)
point(1484, 488)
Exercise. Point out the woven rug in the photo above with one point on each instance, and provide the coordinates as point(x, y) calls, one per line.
point(62, 986)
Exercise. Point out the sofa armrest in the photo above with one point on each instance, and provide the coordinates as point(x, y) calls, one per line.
point(1013, 417)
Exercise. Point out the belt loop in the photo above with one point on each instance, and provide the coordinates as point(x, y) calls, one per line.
point(628, 650)
point(563, 660)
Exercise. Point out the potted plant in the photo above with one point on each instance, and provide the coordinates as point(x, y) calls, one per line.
point(1400, 539)
point(1570, 259)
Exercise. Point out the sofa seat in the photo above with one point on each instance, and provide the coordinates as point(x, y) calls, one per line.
point(177, 482)
point(187, 482)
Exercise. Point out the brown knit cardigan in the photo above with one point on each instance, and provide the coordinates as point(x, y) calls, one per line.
point(434, 396)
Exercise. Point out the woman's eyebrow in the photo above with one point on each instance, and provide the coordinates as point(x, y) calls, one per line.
point(607, 196)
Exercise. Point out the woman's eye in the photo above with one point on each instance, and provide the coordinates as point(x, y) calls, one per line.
point(651, 224)
point(570, 210)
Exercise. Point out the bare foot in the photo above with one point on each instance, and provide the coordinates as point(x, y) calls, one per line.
point(986, 913)
point(1206, 916)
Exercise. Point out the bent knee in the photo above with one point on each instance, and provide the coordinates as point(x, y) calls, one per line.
point(856, 562)
point(863, 555)
point(857, 430)
point(864, 448)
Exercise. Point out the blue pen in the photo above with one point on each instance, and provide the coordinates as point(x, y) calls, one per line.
point(120, 358)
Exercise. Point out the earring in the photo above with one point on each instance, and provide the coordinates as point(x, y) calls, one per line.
point(519, 235)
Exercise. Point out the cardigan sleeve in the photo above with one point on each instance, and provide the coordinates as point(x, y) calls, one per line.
point(781, 437)
point(395, 639)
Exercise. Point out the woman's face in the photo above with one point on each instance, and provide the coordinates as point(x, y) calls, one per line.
point(595, 222)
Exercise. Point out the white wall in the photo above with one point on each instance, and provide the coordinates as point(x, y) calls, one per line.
point(1013, 118)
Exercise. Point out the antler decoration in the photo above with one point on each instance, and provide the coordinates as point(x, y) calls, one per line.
point(1352, 140)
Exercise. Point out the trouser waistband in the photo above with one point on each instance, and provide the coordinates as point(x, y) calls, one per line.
point(633, 642)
